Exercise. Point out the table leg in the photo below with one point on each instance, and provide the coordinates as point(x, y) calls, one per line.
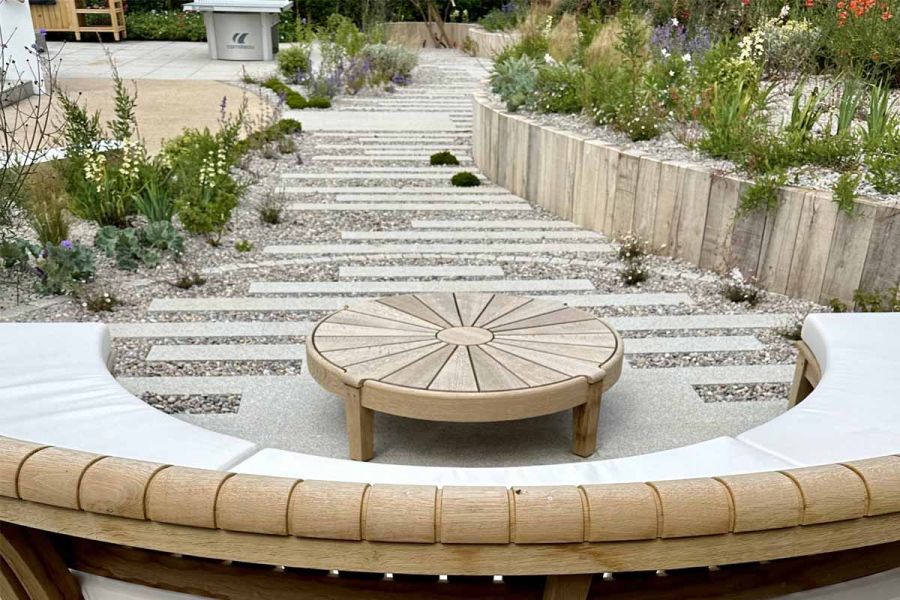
point(585, 419)
point(359, 427)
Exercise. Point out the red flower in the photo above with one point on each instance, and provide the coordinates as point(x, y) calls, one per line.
point(745, 2)
point(810, 3)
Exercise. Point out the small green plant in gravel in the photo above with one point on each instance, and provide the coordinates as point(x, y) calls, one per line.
point(791, 331)
point(843, 192)
point(97, 302)
point(634, 272)
point(740, 289)
point(270, 208)
point(64, 267)
point(444, 158)
point(465, 179)
point(631, 247)
point(132, 248)
point(243, 245)
point(762, 194)
point(189, 280)
point(884, 172)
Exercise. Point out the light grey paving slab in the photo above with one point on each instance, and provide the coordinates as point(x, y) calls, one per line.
point(242, 352)
point(426, 169)
point(415, 190)
point(716, 375)
point(674, 322)
point(427, 198)
point(413, 271)
point(327, 120)
point(671, 345)
point(506, 224)
point(414, 286)
point(236, 384)
point(362, 158)
point(410, 206)
point(635, 299)
point(497, 248)
point(372, 176)
point(294, 304)
point(557, 234)
point(210, 329)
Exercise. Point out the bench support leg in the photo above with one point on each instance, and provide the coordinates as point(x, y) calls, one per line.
point(585, 419)
point(567, 587)
point(31, 564)
point(360, 431)
point(801, 386)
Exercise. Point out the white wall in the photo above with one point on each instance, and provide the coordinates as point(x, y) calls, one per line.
point(17, 32)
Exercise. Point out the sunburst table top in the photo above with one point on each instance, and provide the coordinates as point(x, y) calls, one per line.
point(464, 343)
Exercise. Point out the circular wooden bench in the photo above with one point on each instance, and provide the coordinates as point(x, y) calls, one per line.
point(486, 524)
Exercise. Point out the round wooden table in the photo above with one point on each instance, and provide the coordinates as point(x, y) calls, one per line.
point(465, 357)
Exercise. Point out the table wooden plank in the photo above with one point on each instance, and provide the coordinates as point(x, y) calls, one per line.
point(535, 308)
point(596, 354)
point(556, 317)
point(500, 306)
point(325, 344)
point(385, 365)
point(346, 317)
point(532, 373)
point(444, 305)
point(413, 306)
point(579, 339)
point(491, 375)
point(329, 329)
point(588, 326)
point(422, 372)
point(570, 366)
point(457, 375)
point(389, 312)
point(352, 356)
point(471, 306)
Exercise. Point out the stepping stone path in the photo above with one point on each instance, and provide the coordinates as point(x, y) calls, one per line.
point(401, 228)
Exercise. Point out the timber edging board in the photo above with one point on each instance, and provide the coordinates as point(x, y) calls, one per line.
point(806, 248)
point(482, 43)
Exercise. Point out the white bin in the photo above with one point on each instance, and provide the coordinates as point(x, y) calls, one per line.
point(240, 29)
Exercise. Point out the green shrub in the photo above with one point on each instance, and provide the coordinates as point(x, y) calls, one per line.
point(319, 102)
point(500, 20)
point(734, 116)
point(389, 63)
point(243, 245)
point(444, 158)
point(292, 98)
point(176, 26)
point(559, 88)
point(514, 79)
point(294, 63)
point(465, 179)
point(876, 301)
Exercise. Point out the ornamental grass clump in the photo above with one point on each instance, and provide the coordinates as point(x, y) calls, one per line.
point(444, 158)
point(465, 179)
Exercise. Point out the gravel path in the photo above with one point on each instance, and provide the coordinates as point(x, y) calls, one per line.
point(173, 343)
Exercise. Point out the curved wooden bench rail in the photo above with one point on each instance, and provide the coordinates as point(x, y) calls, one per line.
point(451, 530)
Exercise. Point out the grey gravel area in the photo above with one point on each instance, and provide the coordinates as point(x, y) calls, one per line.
point(756, 392)
point(285, 408)
point(194, 405)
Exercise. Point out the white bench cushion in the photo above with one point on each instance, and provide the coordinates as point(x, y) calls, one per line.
point(95, 587)
point(719, 456)
point(854, 412)
point(55, 389)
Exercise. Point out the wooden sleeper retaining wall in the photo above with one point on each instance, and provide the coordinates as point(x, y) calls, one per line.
point(482, 43)
point(806, 248)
